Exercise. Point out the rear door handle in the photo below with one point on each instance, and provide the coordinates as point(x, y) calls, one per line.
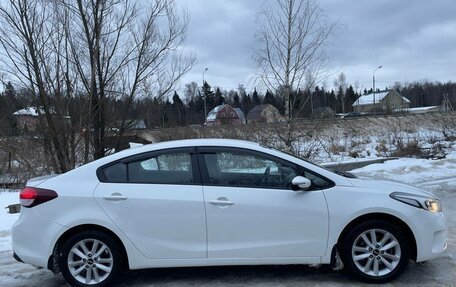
point(221, 201)
point(115, 197)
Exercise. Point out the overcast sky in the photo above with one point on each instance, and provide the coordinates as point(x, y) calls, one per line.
point(411, 39)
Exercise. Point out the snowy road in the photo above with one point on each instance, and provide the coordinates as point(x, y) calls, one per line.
point(438, 176)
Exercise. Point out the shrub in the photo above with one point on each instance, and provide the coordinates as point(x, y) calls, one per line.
point(382, 149)
point(336, 149)
point(353, 154)
point(411, 148)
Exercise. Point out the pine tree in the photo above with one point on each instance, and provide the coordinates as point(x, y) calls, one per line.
point(11, 98)
point(177, 100)
point(280, 100)
point(236, 101)
point(219, 99)
point(9, 92)
point(9, 103)
point(269, 99)
point(255, 98)
point(208, 94)
point(246, 104)
point(178, 109)
point(332, 101)
point(350, 98)
point(340, 99)
point(317, 98)
point(323, 95)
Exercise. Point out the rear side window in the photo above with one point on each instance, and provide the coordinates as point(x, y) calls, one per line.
point(174, 168)
point(116, 173)
point(171, 167)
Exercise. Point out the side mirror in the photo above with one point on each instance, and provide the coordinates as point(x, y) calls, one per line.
point(300, 183)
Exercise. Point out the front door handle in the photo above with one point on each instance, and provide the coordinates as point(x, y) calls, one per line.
point(221, 201)
point(115, 197)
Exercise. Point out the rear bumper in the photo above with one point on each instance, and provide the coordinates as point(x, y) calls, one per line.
point(430, 231)
point(31, 238)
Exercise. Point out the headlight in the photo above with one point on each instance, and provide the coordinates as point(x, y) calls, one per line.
point(424, 202)
point(433, 205)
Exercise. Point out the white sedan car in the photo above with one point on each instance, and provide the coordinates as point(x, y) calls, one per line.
point(213, 202)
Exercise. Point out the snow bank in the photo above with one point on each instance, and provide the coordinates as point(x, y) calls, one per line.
point(7, 220)
point(425, 173)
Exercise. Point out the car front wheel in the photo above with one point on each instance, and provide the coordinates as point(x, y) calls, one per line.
point(90, 258)
point(375, 251)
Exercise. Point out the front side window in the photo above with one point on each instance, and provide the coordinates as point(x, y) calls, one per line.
point(173, 168)
point(318, 182)
point(247, 170)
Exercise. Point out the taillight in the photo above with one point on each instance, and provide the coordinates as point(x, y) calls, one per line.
point(32, 196)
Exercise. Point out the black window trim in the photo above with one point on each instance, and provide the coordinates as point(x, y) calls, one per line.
point(197, 180)
point(201, 150)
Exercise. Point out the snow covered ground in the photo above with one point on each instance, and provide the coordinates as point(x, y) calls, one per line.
point(438, 176)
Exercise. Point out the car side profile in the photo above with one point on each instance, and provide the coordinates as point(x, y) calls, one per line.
point(210, 202)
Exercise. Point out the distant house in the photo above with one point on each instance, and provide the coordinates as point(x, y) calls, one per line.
point(225, 115)
point(263, 114)
point(388, 100)
point(28, 118)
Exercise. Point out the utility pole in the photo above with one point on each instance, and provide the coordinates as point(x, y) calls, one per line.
point(373, 84)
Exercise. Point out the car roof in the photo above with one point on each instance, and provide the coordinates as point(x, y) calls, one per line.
point(210, 141)
point(196, 142)
point(177, 144)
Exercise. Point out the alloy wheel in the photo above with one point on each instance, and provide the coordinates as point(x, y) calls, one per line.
point(376, 252)
point(90, 261)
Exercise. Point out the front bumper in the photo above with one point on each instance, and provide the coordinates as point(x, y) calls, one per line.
point(430, 230)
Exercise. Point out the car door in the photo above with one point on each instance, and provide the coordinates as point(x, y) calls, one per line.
point(156, 199)
point(252, 211)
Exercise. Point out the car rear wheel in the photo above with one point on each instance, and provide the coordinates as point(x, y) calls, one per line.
point(90, 258)
point(375, 251)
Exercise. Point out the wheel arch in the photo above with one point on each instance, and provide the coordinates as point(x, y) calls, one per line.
point(385, 217)
point(53, 259)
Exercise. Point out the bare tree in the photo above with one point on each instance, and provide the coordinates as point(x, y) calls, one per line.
point(191, 91)
point(341, 85)
point(33, 49)
point(291, 56)
point(123, 49)
point(105, 49)
point(291, 45)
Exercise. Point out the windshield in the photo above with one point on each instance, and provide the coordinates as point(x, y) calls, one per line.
point(298, 157)
point(338, 172)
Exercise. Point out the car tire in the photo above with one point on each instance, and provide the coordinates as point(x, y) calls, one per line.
point(91, 258)
point(375, 251)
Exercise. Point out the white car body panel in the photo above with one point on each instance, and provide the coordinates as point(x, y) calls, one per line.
point(163, 221)
point(285, 223)
point(431, 232)
point(167, 228)
point(32, 237)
